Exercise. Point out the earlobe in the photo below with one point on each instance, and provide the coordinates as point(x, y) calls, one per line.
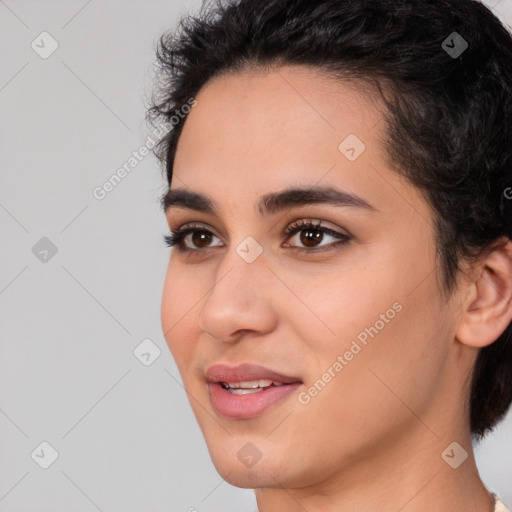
point(487, 309)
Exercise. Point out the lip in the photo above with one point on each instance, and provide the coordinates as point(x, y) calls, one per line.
point(245, 372)
point(234, 406)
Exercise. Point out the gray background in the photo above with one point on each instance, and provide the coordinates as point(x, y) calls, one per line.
point(124, 432)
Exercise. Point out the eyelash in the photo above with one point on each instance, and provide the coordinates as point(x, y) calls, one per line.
point(176, 238)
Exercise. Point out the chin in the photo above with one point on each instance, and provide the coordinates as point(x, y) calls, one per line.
point(272, 471)
point(249, 478)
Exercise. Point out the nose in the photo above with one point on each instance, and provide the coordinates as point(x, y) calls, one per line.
point(240, 299)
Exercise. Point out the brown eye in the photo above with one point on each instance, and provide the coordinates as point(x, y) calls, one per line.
point(193, 238)
point(311, 237)
point(201, 239)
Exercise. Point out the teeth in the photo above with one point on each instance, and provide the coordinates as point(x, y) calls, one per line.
point(251, 384)
point(241, 391)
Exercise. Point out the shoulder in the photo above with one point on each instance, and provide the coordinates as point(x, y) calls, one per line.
point(499, 506)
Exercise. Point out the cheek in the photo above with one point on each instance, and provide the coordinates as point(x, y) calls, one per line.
point(385, 323)
point(180, 300)
point(389, 368)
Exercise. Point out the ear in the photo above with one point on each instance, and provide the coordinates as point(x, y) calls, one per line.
point(487, 309)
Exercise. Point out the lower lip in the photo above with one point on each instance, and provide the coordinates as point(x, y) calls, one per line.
point(233, 406)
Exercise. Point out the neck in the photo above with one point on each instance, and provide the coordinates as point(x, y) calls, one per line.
point(392, 481)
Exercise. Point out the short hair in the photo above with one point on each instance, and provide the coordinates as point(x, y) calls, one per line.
point(448, 118)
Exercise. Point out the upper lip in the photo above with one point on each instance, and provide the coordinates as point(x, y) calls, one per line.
point(245, 372)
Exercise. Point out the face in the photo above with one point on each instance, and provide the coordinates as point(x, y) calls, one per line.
point(349, 307)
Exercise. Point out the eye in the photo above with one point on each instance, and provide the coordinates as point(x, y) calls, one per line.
point(311, 235)
point(198, 238)
point(191, 238)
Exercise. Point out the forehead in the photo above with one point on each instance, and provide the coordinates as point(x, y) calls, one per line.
point(287, 116)
point(293, 100)
point(257, 132)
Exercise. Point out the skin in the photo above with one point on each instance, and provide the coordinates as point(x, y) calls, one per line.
point(372, 439)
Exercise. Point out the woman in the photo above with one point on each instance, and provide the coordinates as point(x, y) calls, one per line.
point(338, 293)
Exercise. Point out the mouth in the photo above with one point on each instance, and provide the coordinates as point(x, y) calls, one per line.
point(246, 391)
point(250, 386)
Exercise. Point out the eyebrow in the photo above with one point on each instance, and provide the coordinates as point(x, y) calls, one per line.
point(268, 204)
